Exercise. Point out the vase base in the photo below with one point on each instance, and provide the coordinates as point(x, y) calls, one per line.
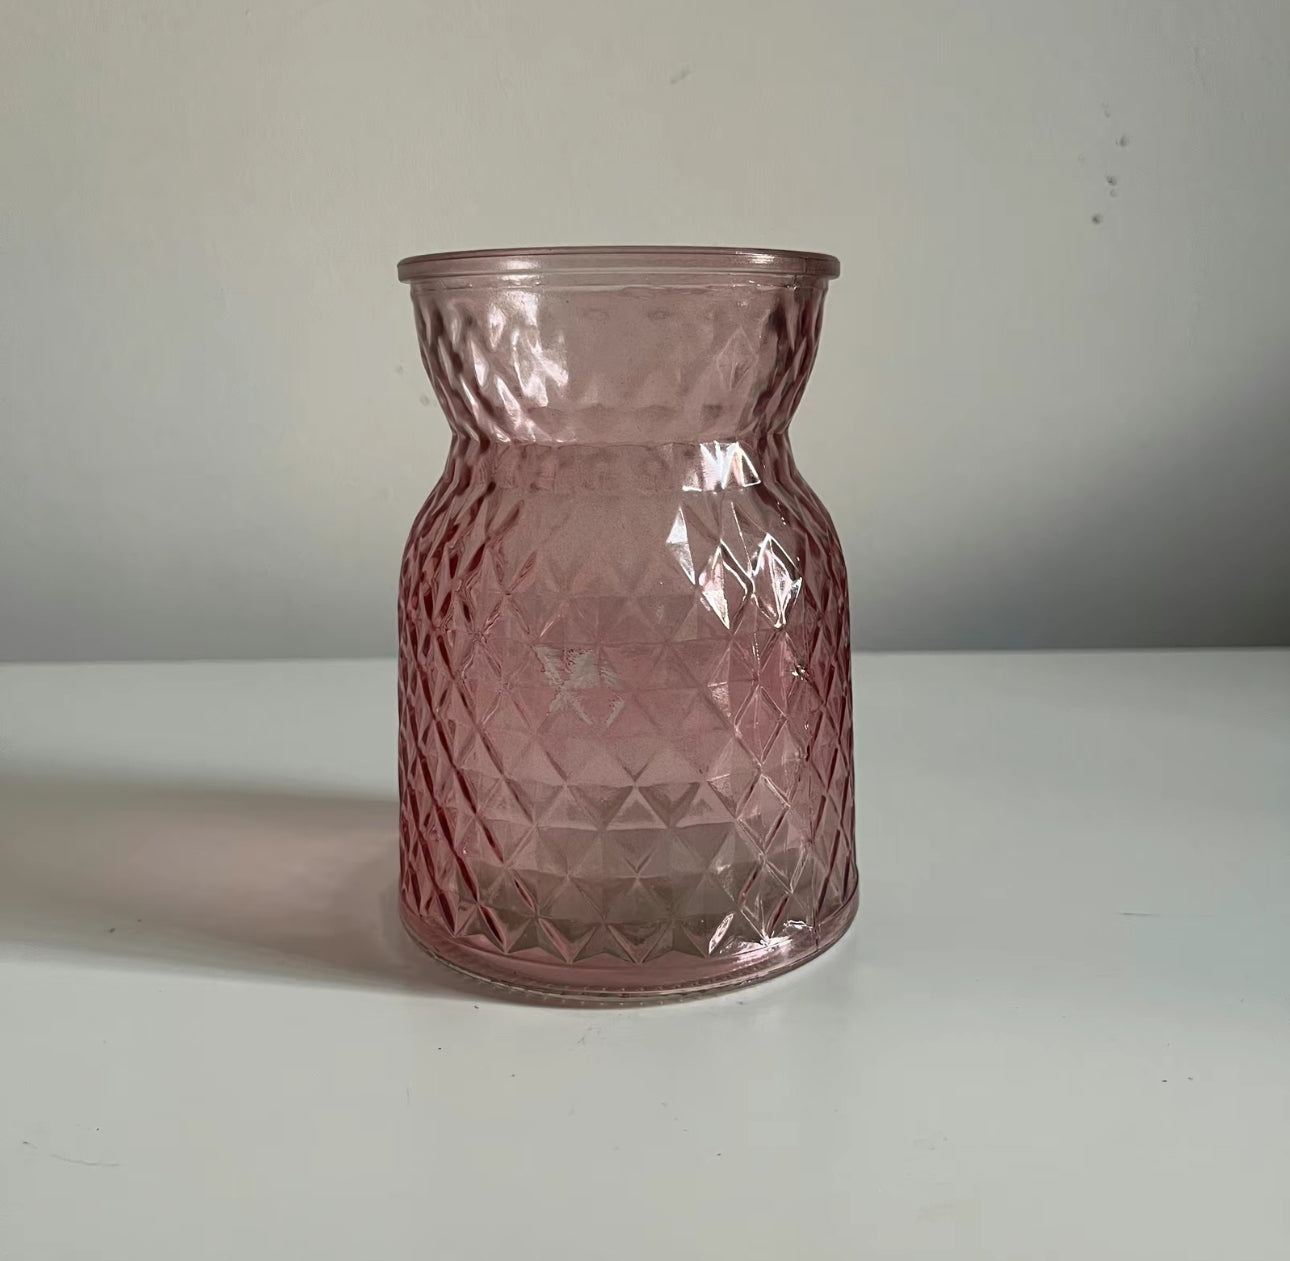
point(670, 976)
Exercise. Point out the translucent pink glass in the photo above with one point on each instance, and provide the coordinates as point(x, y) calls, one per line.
point(625, 762)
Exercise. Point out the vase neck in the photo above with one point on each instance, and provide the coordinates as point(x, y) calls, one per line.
point(636, 365)
point(622, 469)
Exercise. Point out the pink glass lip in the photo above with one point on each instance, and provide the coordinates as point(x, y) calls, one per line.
point(585, 261)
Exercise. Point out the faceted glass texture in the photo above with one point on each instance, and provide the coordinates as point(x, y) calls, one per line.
point(625, 753)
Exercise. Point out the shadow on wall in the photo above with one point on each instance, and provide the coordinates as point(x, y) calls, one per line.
point(301, 886)
point(1185, 544)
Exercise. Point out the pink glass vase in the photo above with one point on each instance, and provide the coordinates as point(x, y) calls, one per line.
point(625, 758)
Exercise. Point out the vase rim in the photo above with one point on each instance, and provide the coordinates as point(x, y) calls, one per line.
point(575, 260)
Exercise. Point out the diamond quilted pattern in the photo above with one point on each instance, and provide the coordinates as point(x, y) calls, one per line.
point(624, 693)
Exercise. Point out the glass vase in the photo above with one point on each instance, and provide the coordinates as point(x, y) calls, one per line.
point(625, 753)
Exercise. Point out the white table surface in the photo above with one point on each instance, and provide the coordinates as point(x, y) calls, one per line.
point(1061, 1028)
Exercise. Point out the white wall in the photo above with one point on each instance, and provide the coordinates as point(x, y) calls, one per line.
point(1047, 410)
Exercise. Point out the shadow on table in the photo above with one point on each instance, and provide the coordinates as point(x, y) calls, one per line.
point(300, 885)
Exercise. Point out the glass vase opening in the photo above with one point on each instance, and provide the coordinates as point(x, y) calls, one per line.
point(625, 762)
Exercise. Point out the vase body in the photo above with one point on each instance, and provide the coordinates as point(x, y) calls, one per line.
point(625, 752)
